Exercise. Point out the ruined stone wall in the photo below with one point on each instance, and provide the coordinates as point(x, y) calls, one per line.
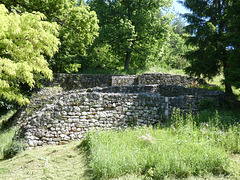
point(56, 116)
point(74, 104)
point(168, 79)
point(69, 115)
point(81, 81)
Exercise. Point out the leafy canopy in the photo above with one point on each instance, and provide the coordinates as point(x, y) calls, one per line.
point(78, 27)
point(132, 27)
point(25, 40)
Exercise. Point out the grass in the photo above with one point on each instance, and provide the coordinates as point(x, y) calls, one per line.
point(204, 146)
point(49, 162)
point(6, 132)
point(186, 149)
point(118, 153)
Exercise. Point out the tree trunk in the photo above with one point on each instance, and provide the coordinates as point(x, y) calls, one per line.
point(127, 60)
point(228, 87)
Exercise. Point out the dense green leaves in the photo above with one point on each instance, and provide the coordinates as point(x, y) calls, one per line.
point(132, 28)
point(78, 27)
point(175, 48)
point(233, 42)
point(24, 41)
point(211, 23)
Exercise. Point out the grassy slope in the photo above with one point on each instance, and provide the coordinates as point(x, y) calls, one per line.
point(67, 162)
point(49, 162)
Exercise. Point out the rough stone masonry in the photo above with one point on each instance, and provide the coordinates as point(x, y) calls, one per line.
point(74, 104)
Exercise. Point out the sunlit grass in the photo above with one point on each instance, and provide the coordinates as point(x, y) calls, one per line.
point(6, 133)
point(49, 162)
point(191, 146)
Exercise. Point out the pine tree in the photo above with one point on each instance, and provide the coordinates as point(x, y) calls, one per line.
point(208, 24)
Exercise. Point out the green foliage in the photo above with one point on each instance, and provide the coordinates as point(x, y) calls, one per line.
point(232, 38)
point(174, 51)
point(13, 148)
point(78, 27)
point(175, 48)
point(7, 131)
point(24, 41)
point(207, 104)
point(213, 25)
point(132, 29)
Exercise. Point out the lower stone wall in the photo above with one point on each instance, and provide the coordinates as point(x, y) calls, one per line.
point(68, 116)
point(56, 116)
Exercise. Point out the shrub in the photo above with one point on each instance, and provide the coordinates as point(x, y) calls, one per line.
point(13, 148)
point(207, 104)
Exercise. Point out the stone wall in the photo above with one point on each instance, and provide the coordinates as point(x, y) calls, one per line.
point(168, 79)
point(123, 80)
point(74, 104)
point(81, 81)
point(59, 118)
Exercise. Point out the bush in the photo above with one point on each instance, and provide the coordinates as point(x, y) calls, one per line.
point(13, 148)
point(207, 104)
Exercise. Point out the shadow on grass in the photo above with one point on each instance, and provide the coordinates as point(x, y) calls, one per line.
point(84, 149)
point(8, 120)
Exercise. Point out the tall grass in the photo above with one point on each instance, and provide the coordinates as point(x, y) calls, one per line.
point(192, 145)
point(6, 132)
point(219, 129)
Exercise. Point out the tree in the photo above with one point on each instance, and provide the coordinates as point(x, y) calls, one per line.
point(209, 20)
point(25, 40)
point(78, 27)
point(132, 27)
point(175, 48)
point(233, 43)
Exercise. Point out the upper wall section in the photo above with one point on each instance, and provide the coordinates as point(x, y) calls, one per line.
point(83, 81)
